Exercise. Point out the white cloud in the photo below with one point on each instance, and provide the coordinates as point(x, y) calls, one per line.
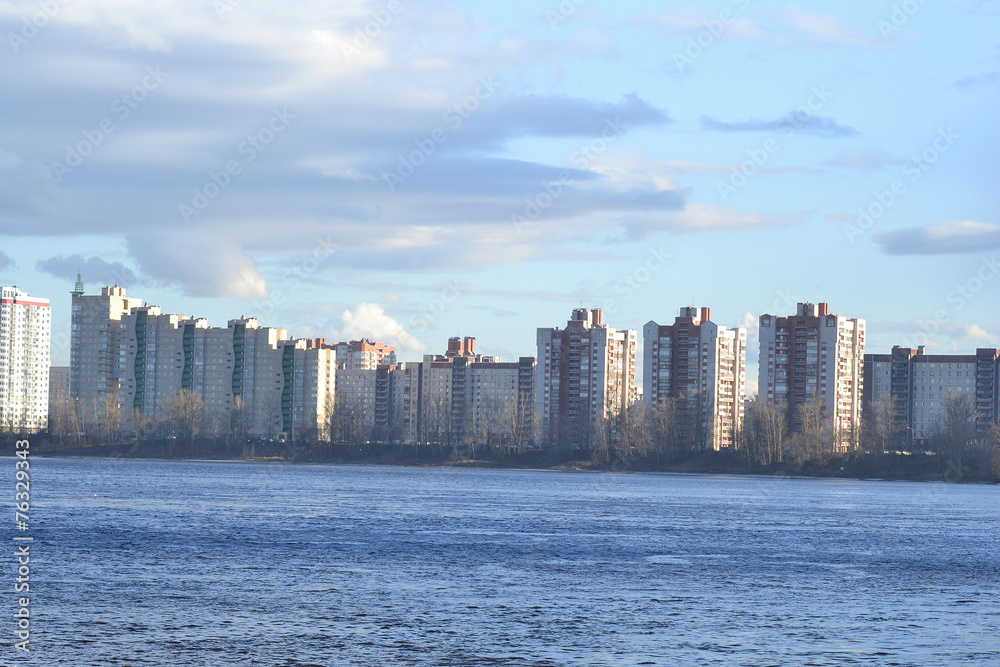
point(201, 265)
point(974, 332)
point(369, 320)
point(693, 19)
point(953, 237)
point(827, 29)
point(751, 323)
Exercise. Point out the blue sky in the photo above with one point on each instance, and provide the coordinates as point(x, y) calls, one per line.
point(482, 168)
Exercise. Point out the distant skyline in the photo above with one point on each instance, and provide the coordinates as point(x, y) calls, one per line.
point(480, 169)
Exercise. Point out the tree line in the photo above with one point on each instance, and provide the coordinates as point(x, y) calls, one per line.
point(653, 435)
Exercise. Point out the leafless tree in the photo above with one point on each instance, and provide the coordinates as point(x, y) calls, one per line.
point(238, 419)
point(114, 421)
point(813, 439)
point(765, 431)
point(141, 423)
point(633, 429)
point(348, 426)
point(880, 432)
point(958, 430)
point(185, 412)
point(662, 430)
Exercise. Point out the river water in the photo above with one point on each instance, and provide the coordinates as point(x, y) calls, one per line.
point(204, 563)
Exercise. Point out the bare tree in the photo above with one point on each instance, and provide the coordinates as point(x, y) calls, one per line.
point(633, 427)
point(958, 430)
point(185, 412)
point(348, 428)
point(141, 424)
point(880, 432)
point(114, 421)
point(812, 439)
point(765, 431)
point(238, 419)
point(662, 431)
point(62, 418)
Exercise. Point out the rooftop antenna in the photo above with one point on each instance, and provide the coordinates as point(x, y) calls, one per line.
point(78, 288)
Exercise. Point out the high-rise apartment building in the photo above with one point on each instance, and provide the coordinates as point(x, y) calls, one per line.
point(364, 355)
point(815, 355)
point(918, 386)
point(701, 366)
point(58, 383)
point(25, 328)
point(585, 375)
point(94, 362)
point(463, 396)
point(269, 384)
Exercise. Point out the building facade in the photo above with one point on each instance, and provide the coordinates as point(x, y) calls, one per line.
point(584, 378)
point(463, 397)
point(254, 381)
point(918, 386)
point(815, 355)
point(364, 355)
point(94, 361)
point(25, 330)
point(701, 366)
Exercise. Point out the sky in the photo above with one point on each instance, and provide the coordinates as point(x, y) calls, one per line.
point(411, 171)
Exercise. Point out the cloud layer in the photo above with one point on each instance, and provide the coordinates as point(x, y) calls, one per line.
point(942, 238)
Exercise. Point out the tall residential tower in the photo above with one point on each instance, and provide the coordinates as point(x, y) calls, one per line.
point(25, 327)
point(815, 355)
point(585, 376)
point(702, 367)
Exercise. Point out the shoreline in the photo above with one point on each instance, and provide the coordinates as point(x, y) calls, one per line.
point(883, 468)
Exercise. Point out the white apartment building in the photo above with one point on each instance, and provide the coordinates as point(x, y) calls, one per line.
point(815, 353)
point(25, 329)
point(702, 366)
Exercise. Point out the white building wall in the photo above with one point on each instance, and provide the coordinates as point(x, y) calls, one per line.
point(25, 330)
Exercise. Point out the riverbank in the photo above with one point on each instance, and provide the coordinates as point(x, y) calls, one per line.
point(916, 467)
